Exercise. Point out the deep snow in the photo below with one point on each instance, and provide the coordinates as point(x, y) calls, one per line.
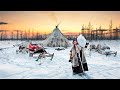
point(21, 66)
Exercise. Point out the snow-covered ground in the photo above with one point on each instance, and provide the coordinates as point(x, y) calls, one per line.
point(21, 66)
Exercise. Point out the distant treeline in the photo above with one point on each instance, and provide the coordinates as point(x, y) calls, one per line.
point(87, 31)
point(26, 35)
point(99, 34)
point(102, 34)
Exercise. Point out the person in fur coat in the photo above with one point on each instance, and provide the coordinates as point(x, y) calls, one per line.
point(77, 58)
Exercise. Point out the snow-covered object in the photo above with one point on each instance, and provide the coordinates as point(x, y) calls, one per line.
point(25, 44)
point(56, 39)
point(81, 40)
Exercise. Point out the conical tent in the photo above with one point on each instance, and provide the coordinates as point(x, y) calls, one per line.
point(56, 39)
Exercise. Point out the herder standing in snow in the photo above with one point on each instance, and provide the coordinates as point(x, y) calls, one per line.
point(83, 44)
point(77, 57)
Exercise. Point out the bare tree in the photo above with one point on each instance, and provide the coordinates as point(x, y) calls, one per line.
point(21, 34)
point(1, 35)
point(28, 34)
point(12, 35)
point(25, 35)
point(5, 35)
point(32, 34)
point(110, 29)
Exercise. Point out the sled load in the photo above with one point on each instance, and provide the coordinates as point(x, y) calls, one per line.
point(40, 50)
point(103, 49)
point(33, 50)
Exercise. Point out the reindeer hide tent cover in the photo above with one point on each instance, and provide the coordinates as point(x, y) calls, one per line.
point(56, 39)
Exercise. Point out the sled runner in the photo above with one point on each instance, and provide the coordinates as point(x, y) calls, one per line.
point(59, 49)
point(52, 56)
point(44, 56)
point(108, 52)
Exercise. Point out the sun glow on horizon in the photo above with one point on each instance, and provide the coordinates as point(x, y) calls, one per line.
point(45, 21)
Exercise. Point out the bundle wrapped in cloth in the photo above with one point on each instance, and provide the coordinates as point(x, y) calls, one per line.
point(81, 40)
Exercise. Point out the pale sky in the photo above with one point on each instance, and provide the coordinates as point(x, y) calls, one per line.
point(45, 21)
